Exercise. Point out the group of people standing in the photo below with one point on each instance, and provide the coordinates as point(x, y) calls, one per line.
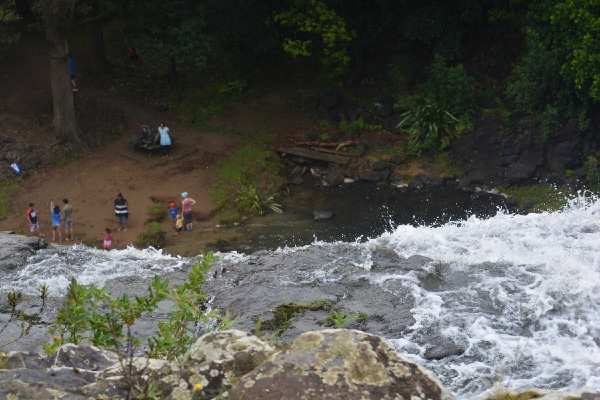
point(183, 221)
point(58, 218)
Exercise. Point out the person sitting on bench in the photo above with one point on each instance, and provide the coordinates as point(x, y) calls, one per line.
point(145, 136)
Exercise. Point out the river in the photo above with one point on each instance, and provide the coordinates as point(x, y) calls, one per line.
point(517, 295)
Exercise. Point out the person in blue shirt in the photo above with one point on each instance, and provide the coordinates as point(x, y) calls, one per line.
point(173, 212)
point(56, 219)
point(72, 72)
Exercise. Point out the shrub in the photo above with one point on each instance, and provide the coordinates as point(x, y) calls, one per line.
point(252, 201)
point(358, 125)
point(430, 128)
point(153, 236)
point(91, 314)
point(28, 315)
point(592, 174)
point(156, 213)
point(451, 88)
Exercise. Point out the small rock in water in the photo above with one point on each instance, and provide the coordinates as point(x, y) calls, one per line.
point(321, 215)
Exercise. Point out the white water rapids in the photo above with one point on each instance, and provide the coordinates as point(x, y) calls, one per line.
point(525, 308)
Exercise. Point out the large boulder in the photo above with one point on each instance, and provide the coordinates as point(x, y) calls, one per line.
point(338, 364)
point(224, 357)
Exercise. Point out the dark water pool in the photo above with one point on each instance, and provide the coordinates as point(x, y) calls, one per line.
point(361, 211)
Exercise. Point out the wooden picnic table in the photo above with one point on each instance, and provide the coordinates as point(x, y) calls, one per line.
point(137, 144)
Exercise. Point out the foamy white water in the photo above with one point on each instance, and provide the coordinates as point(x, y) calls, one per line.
point(518, 296)
point(527, 308)
point(89, 266)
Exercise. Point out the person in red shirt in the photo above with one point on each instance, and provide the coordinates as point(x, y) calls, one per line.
point(32, 218)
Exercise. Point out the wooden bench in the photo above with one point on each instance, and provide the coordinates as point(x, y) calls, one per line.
point(137, 144)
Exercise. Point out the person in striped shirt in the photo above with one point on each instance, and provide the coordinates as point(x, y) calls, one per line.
point(121, 212)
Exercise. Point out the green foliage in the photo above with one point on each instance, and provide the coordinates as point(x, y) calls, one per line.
point(339, 318)
point(537, 198)
point(323, 137)
point(578, 27)
point(400, 73)
point(284, 313)
point(8, 16)
point(550, 122)
point(27, 315)
point(153, 236)
point(554, 78)
point(446, 165)
point(252, 201)
point(238, 190)
point(430, 128)
point(592, 174)
point(234, 87)
point(316, 27)
point(175, 335)
point(6, 191)
point(323, 123)
point(443, 113)
point(92, 315)
point(179, 39)
point(357, 125)
point(451, 88)
point(247, 164)
point(156, 213)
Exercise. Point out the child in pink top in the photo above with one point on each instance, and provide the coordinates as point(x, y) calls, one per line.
point(107, 244)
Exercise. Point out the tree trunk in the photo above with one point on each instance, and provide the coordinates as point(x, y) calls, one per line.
point(96, 51)
point(64, 125)
point(57, 16)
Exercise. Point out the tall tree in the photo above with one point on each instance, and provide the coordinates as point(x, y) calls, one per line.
point(57, 16)
point(578, 23)
point(8, 16)
point(169, 34)
point(93, 14)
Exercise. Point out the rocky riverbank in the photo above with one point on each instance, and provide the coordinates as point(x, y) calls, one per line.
point(333, 364)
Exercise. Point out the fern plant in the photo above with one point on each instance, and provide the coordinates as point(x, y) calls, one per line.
point(252, 201)
point(429, 126)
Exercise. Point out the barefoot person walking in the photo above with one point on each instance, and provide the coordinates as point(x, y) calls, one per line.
point(186, 208)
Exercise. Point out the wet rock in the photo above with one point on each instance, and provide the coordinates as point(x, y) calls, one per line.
point(419, 181)
point(334, 177)
point(380, 166)
point(440, 347)
point(338, 364)
point(322, 215)
point(390, 123)
point(14, 249)
point(398, 159)
point(370, 176)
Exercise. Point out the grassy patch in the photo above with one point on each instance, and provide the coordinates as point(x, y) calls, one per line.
point(153, 236)
point(249, 167)
point(537, 198)
point(284, 313)
point(156, 213)
point(6, 190)
point(446, 166)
